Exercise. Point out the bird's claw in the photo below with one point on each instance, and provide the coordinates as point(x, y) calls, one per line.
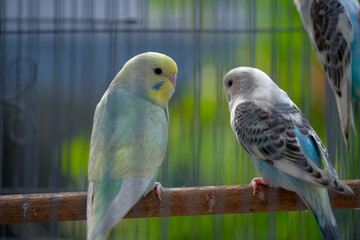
point(255, 181)
point(157, 187)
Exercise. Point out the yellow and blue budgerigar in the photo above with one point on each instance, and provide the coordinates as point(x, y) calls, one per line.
point(129, 139)
point(282, 144)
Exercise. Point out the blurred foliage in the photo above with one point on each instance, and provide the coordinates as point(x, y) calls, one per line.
point(74, 162)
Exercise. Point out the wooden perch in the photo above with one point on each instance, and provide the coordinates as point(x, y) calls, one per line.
point(188, 201)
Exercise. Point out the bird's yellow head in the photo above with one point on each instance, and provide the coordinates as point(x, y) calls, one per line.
point(151, 76)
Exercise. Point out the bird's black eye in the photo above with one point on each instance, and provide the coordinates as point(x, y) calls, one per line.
point(229, 83)
point(157, 71)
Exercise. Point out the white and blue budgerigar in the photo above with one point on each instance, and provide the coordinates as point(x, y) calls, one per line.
point(282, 144)
point(333, 27)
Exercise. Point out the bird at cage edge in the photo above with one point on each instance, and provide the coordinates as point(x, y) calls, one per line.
point(282, 144)
point(333, 27)
point(128, 140)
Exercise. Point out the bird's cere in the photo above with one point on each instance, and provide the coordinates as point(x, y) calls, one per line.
point(172, 79)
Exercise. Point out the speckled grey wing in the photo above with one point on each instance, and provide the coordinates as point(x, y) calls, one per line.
point(270, 135)
point(333, 34)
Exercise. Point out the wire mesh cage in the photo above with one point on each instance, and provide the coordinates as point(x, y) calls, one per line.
point(58, 58)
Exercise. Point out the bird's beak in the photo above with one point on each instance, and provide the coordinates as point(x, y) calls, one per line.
point(172, 79)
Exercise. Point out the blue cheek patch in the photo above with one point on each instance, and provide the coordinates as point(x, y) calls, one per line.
point(158, 86)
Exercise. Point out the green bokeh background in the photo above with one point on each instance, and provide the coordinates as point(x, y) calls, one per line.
point(202, 149)
point(212, 37)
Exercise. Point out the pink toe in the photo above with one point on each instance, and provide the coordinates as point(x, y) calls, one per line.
point(255, 181)
point(158, 187)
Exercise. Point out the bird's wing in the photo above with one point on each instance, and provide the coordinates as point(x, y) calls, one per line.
point(129, 137)
point(283, 138)
point(331, 34)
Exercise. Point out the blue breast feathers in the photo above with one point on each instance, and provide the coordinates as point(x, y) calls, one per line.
point(158, 85)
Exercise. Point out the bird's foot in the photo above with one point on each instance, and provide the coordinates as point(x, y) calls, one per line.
point(158, 187)
point(257, 181)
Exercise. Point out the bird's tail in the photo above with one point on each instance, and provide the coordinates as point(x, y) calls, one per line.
point(93, 220)
point(345, 110)
point(111, 201)
point(318, 202)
